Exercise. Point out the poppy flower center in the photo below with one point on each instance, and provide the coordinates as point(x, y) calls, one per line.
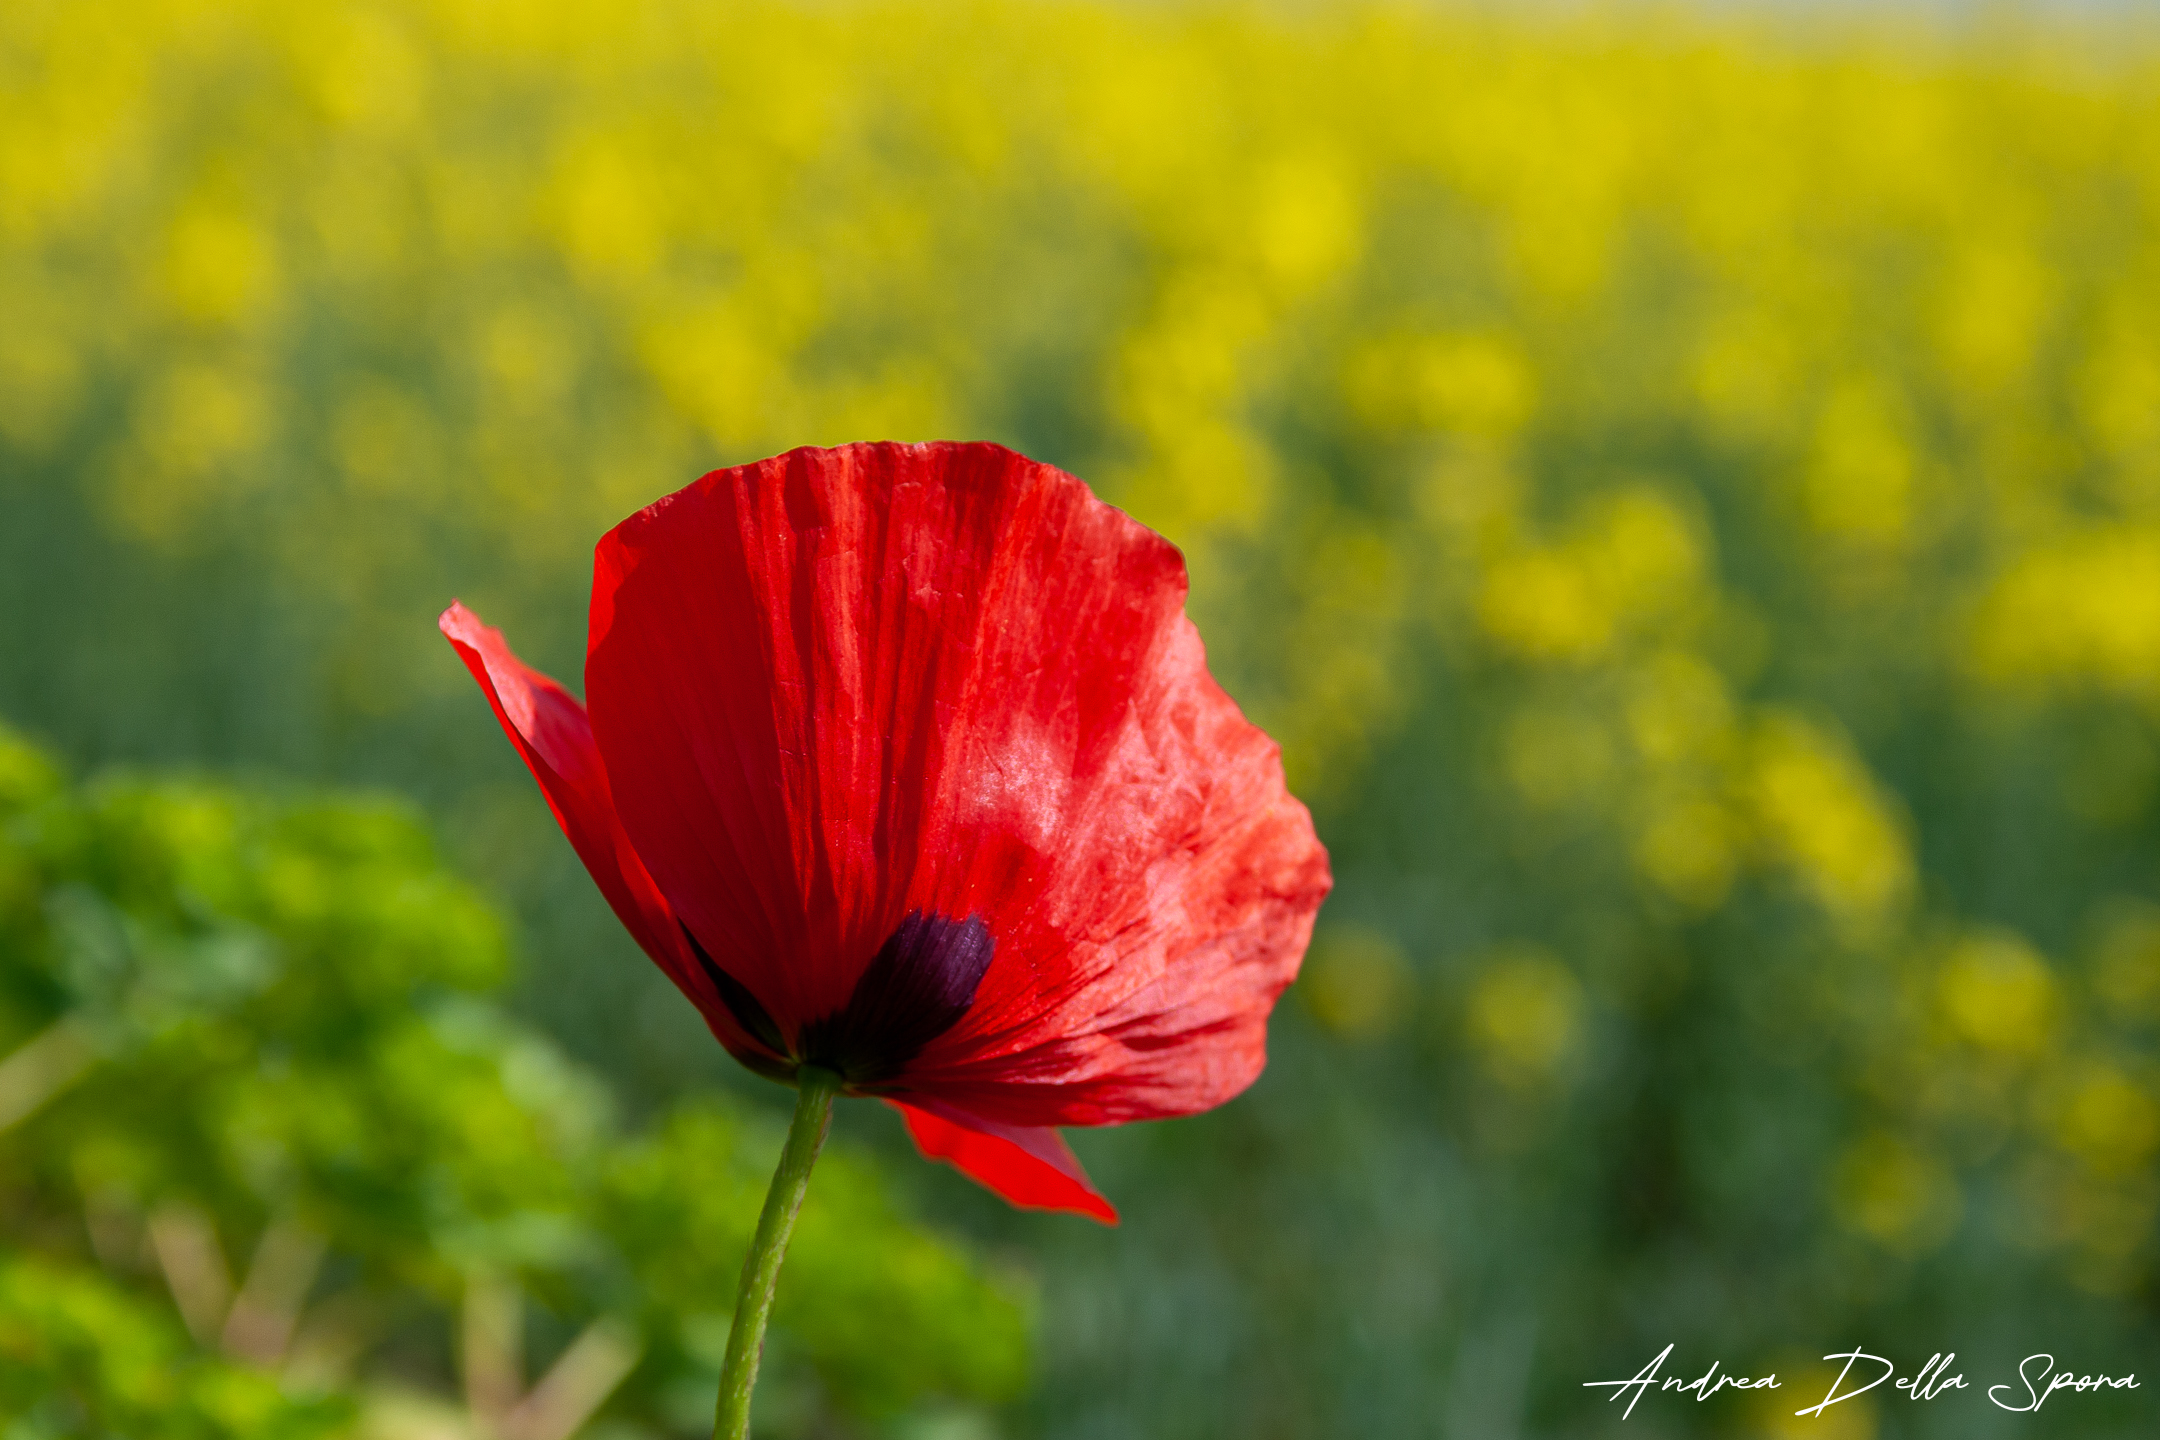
point(917, 986)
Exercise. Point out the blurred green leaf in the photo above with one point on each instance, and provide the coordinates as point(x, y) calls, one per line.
point(256, 1077)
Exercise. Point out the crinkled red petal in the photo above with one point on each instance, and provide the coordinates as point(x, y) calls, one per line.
point(1030, 1166)
point(551, 731)
point(839, 686)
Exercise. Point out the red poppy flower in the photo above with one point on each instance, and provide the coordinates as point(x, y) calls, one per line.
point(903, 760)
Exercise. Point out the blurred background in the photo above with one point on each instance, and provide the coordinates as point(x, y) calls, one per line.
point(1684, 487)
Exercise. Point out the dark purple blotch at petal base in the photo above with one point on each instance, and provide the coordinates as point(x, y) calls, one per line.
point(920, 982)
point(748, 1013)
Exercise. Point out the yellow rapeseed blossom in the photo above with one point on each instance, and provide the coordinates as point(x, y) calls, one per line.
point(1525, 1016)
point(1820, 813)
point(1998, 994)
point(2109, 1120)
point(1631, 562)
point(1861, 481)
point(2081, 610)
point(1357, 982)
point(1690, 847)
point(1895, 1194)
point(2126, 968)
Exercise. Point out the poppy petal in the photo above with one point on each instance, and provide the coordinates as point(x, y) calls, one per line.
point(551, 731)
point(1189, 943)
point(840, 688)
point(1031, 1167)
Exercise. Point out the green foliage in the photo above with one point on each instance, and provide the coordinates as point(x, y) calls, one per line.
point(251, 1026)
point(82, 1358)
point(855, 1282)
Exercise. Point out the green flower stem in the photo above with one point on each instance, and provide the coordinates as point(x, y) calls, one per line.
point(814, 1089)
